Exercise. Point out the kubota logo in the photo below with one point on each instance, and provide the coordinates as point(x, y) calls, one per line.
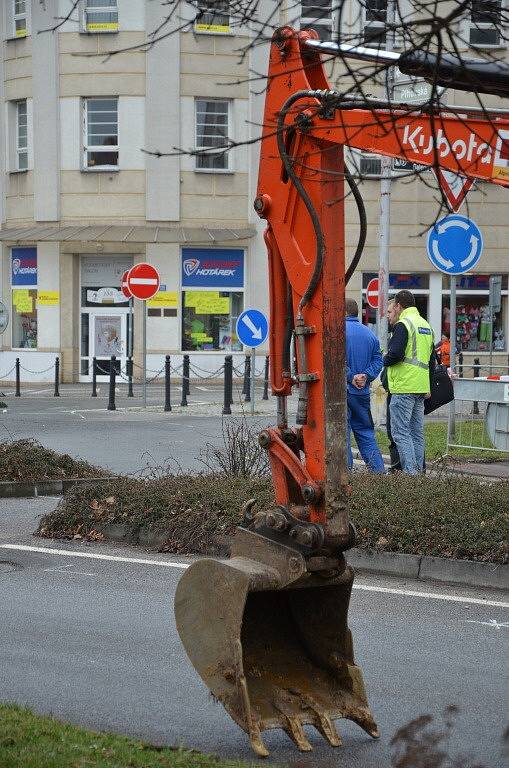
point(190, 266)
point(424, 143)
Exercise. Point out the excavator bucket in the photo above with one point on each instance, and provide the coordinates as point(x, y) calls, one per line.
point(270, 640)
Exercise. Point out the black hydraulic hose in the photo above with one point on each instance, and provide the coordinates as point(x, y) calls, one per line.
point(320, 245)
point(363, 224)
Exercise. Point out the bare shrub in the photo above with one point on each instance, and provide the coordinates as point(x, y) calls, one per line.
point(239, 455)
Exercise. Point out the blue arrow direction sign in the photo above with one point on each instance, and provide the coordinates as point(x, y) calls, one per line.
point(454, 245)
point(252, 327)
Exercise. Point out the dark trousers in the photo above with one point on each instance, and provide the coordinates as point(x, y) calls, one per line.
point(393, 451)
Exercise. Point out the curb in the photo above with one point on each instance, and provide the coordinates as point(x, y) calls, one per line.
point(20, 490)
point(469, 573)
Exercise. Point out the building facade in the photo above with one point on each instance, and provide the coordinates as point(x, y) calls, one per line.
point(98, 173)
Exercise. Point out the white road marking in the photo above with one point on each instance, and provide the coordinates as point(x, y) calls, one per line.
point(490, 623)
point(170, 564)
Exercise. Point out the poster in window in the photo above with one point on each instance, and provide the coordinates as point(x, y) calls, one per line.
point(108, 335)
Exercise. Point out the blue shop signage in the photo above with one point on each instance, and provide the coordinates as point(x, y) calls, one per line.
point(212, 268)
point(24, 266)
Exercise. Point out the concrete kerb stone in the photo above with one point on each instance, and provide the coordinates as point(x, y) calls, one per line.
point(466, 572)
point(15, 489)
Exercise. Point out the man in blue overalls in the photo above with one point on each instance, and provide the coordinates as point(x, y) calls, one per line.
point(364, 363)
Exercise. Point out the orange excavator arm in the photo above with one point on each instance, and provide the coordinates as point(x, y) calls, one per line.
point(301, 195)
point(267, 629)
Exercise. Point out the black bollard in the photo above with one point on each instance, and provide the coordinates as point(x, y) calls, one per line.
point(18, 389)
point(111, 398)
point(57, 377)
point(167, 383)
point(185, 380)
point(129, 366)
point(460, 365)
point(265, 395)
point(228, 384)
point(247, 380)
point(477, 370)
point(94, 377)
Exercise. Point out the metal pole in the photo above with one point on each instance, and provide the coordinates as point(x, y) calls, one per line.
point(111, 397)
point(94, 377)
point(144, 304)
point(129, 363)
point(385, 200)
point(451, 426)
point(167, 383)
point(253, 371)
point(266, 380)
point(228, 384)
point(57, 377)
point(18, 389)
point(185, 378)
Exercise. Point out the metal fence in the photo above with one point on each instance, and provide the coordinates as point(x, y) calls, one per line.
point(480, 415)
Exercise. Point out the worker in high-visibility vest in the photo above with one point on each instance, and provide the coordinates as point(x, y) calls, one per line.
point(410, 361)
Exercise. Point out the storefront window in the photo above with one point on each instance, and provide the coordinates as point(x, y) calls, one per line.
point(473, 324)
point(24, 318)
point(24, 297)
point(209, 320)
point(417, 283)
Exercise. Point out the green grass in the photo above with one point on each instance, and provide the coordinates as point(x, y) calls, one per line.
point(30, 741)
point(435, 438)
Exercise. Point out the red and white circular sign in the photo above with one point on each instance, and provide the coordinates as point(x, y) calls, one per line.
point(372, 293)
point(123, 285)
point(143, 281)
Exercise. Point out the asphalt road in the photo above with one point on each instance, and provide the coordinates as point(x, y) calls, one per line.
point(93, 641)
point(129, 438)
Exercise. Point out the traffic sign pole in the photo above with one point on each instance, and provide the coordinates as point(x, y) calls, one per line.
point(144, 305)
point(253, 365)
point(451, 424)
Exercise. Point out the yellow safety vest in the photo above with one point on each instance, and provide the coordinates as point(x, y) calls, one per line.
point(411, 375)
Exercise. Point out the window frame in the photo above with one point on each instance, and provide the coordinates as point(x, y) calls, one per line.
point(103, 9)
point(228, 154)
point(310, 22)
point(481, 26)
point(214, 29)
point(18, 149)
point(88, 148)
point(25, 16)
point(374, 25)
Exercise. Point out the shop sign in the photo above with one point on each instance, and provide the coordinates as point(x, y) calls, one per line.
point(412, 282)
point(48, 298)
point(24, 266)
point(106, 296)
point(212, 268)
point(163, 299)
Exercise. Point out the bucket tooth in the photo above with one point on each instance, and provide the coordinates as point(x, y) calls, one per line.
point(328, 730)
point(295, 731)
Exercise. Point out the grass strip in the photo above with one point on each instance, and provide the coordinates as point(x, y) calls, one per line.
point(31, 741)
point(467, 433)
point(448, 516)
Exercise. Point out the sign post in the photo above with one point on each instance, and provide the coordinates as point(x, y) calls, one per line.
point(454, 246)
point(252, 330)
point(142, 282)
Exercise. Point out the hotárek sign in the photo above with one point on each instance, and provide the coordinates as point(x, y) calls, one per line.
point(212, 268)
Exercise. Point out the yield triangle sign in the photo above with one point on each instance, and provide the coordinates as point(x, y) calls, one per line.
point(454, 186)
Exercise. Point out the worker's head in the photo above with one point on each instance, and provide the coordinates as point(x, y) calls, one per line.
point(403, 300)
point(391, 313)
point(445, 336)
point(351, 308)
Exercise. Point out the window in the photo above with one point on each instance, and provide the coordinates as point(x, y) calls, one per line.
point(370, 165)
point(101, 16)
point(24, 297)
point(212, 130)
point(21, 136)
point(20, 26)
point(486, 23)
point(209, 320)
point(473, 316)
point(317, 15)
point(375, 17)
point(214, 16)
point(101, 133)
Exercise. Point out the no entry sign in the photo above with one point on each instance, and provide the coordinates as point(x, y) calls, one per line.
point(372, 293)
point(123, 285)
point(143, 281)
